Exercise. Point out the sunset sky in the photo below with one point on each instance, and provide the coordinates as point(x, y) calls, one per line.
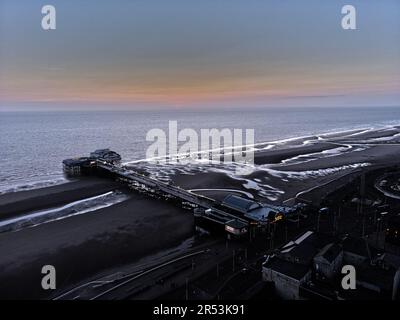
point(142, 54)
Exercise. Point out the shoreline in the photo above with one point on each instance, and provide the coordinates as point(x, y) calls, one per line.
point(83, 245)
point(88, 244)
point(15, 203)
point(275, 146)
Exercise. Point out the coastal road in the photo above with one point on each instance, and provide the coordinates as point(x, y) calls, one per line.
point(142, 279)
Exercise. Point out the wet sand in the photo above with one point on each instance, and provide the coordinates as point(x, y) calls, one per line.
point(294, 167)
point(82, 246)
point(276, 156)
point(15, 203)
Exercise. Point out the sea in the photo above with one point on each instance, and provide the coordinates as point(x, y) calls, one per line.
point(33, 144)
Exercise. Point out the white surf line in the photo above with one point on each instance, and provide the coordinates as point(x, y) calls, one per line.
point(387, 138)
point(43, 213)
point(312, 173)
point(248, 194)
point(377, 128)
point(308, 157)
point(48, 211)
point(346, 133)
point(269, 145)
point(17, 186)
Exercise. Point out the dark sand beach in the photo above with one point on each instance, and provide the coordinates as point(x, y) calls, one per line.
point(85, 245)
point(295, 166)
point(276, 156)
point(15, 203)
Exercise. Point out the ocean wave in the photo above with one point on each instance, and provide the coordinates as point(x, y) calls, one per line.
point(15, 186)
point(75, 208)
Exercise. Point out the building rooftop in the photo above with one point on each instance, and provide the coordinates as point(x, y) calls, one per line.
point(306, 247)
point(105, 154)
point(330, 252)
point(76, 161)
point(374, 275)
point(360, 247)
point(254, 210)
point(236, 224)
point(239, 203)
point(290, 269)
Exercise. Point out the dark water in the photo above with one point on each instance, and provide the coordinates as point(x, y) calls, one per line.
point(33, 144)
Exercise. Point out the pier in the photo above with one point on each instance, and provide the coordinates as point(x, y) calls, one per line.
point(235, 214)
